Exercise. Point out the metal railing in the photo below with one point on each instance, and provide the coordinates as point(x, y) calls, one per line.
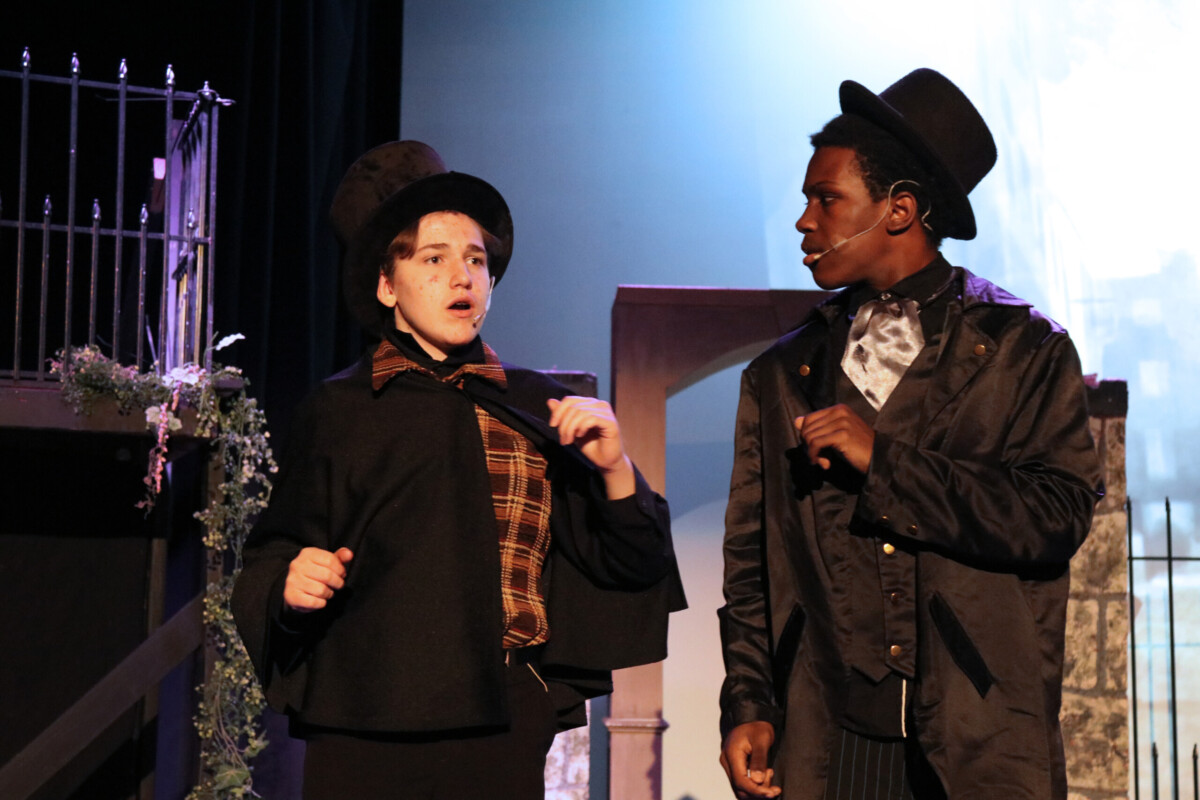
point(1154, 644)
point(177, 222)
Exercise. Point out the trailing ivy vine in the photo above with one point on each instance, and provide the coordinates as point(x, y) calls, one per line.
point(228, 722)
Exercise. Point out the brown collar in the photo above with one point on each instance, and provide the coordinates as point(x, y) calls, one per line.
point(388, 362)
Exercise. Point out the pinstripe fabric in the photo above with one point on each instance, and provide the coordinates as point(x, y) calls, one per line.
point(862, 768)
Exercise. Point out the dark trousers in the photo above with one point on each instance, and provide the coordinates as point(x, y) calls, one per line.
point(504, 764)
point(866, 768)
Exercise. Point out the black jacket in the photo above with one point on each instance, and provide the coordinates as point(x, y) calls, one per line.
point(412, 643)
point(989, 488)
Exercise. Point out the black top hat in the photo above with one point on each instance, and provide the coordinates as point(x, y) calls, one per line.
point(935, 120)
point(387, 189)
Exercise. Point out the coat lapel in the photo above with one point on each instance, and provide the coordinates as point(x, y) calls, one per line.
point(970, 343)
point(808, 363)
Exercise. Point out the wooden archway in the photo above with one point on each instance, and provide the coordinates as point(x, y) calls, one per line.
point(664, 339)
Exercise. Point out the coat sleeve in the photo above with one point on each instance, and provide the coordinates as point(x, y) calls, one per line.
point(295, 518)
point(617, 544)
point(747, 694)
point(1022, 496)
point(622, 544)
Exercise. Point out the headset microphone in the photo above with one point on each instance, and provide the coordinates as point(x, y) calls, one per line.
point(487, 304)
point(882, 217)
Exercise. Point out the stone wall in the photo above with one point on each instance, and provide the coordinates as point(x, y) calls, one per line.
point(568, 765)
point(1095, 713)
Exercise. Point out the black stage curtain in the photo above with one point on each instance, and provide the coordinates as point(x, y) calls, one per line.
point(315, 84)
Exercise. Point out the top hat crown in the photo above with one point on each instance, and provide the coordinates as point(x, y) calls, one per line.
point(940, 126)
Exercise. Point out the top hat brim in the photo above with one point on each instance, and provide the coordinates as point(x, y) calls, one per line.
point(859, 100)
point(448, 191)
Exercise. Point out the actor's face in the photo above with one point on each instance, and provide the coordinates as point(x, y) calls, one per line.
point(439, 293)
point(839, 207)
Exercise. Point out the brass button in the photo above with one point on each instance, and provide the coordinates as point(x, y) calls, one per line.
point(889, 548)
point(883, 519)
point(980, 349)
point(895, 649)
point(913, 529)
point(894, 597)
point(804, 370)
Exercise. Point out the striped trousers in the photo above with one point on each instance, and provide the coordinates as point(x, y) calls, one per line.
point(866, 768)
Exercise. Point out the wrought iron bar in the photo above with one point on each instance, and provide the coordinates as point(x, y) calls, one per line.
point(41, 351)
point(119, 238)
point(1171, 641)
point(210, 223)
point(185, 274)
point(152, 92)
point(1154, 763)
point(1137, 788)
point(72, 179)
point(195, 289)
point(22, 181)
point(95, 272)
point(144, 220)
point(154, 236)
point(168, 157)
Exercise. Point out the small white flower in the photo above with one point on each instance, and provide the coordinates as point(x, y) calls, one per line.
point(154, 417)
point(188, 374)
point(228, 340)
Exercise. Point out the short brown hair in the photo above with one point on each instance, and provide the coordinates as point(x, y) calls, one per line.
point(404, 243)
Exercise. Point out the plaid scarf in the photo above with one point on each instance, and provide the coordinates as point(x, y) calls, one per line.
point(520, 496)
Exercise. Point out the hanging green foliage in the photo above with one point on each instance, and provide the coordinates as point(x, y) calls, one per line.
point(229, 719)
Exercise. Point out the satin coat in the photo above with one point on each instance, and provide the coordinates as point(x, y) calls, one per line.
point(991, 490)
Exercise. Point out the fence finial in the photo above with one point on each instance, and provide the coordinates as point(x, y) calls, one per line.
point(74, 63)
point(46, 207)
point(122, 71)
point(144, 217)
point(170, 77)
point(25, 60)
point(96, 209)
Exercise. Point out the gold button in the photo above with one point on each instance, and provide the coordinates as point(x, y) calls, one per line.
point(912, 529)
point(883, 519)
point(895, 649)
point(980, 349)
point(894, 597)
point(804, 370)
point(889, 548)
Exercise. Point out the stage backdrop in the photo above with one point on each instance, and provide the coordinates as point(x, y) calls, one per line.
point(665, 143)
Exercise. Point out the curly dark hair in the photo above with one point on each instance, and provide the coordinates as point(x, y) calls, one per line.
point(883, 160)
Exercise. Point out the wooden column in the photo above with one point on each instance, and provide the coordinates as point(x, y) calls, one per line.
point(664, 339)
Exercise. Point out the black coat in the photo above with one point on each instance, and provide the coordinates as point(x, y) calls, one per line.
point(413, 642)
point(990, 489)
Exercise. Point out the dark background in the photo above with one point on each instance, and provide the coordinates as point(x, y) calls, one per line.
point(314, 84)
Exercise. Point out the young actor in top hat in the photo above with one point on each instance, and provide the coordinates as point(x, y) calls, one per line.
point(457, 552)
point(914, 471)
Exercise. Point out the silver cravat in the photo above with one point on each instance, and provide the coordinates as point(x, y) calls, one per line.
point(884, 339)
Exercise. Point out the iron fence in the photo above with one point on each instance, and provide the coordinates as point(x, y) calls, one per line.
point(1161, 641)
point(171, 321)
